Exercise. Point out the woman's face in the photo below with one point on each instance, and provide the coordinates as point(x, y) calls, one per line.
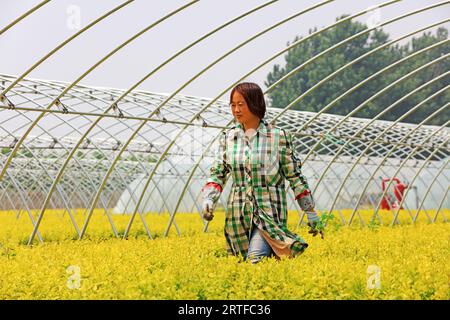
point(240, 109)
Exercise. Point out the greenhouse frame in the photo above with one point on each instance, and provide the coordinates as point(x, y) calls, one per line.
point(68, 146)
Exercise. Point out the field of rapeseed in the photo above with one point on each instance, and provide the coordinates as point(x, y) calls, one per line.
point(374, 262)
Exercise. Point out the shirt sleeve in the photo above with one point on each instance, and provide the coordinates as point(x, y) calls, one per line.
point(292, 170)
point(219, 171)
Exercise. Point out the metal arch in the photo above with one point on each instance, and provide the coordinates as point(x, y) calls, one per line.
point(420, 170)
point(365, 81)
point(382, 112)
point(192, 44)
point(190, 192)
point(403, 138)
point(385, 110)
point(54, 185)
point(192, 119)
point(17, 186)
point(233, 50)
point(49, 194)
point(362, 153)
point(28, 148)
point(129, 168)
point(321, 81)
point(387, 155)
point(440, 206)
point(415, 176)
point(337, 45)
point(64, 122)
point(159, 191)
point(330, 76)
point(23, 16)
point(162, 197)
point(345, 66)
point(107, 56)
point(426, 195)
point(59, 191)
point(61, 45)
point(292, 45)
point(39, 183)
point(341, 21)
point(350, 171)
point(82, 76)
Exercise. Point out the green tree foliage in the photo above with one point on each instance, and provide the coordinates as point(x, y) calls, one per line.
point(291, 88)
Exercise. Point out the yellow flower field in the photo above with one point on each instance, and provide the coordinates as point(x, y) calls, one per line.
point(406, 261)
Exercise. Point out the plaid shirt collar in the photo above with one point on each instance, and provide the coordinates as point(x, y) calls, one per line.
point(261, 130)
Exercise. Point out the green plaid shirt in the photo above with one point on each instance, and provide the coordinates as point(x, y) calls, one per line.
point(259, 168)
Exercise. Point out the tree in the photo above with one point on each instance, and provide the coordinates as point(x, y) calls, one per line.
point(291, 88)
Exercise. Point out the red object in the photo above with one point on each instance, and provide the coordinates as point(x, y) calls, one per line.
point(394, 196)
point(213, 184)
point(301, 195)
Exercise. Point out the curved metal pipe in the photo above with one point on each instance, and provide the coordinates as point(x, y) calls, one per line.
point(439, 208)
point(408, 14)
point(400, 166)
point(92, 68)
point(160, 106)
point(415, 176)
point(106, 131)
point(426, 194)
point(428, 48)
point(437, 112)
point(201, 72)
point(3, 94)
point(382, 112)
point(23, 16)
point(19, 190)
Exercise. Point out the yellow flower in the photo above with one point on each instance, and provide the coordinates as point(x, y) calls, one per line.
point(377, 262)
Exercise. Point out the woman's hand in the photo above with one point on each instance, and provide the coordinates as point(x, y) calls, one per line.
point(314, 228)
point(315, 224)
point(207, 209)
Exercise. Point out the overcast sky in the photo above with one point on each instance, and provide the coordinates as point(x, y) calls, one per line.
point(32, 38)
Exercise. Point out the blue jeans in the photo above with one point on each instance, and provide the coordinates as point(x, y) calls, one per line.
point(258, 247)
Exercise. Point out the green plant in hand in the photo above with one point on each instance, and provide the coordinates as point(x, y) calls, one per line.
point(318, 226)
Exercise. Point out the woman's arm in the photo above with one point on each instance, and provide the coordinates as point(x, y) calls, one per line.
point(292, 170)
point(219, 172)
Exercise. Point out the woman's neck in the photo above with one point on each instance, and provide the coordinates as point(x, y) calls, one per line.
point(252, 124)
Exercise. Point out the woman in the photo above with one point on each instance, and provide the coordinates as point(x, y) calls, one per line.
point(259, 157)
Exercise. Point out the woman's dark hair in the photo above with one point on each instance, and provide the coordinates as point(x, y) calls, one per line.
point(254, 97)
